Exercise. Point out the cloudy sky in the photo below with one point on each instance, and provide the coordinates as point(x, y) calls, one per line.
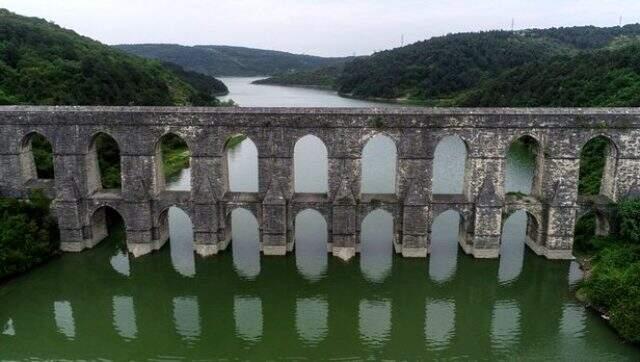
point(319, 27)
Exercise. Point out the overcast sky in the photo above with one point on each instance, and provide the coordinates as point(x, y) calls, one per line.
point(319, 27)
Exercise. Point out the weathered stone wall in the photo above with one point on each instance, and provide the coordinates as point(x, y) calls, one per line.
point(487, 133)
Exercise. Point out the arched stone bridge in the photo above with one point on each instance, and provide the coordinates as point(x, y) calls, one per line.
point(552, 207)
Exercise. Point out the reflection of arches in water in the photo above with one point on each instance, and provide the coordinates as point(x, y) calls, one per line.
point(311, 238)
point(516, 229)
point(573, 321)
point(311, 319)
point(124, 317)
point(186, 316)
point(103, 163)
point(36, 157)
point(376, 246)
point(379, 166)
point(175, 224)
point(598, 176)
point(172, 148)
point(245, 242)
point(8, 329)
point(241, 165)
point(311, 165)
point(247, 313)
point(505, 325)
point(374, 321)
point(449, 166)
point(446, 231)
point(439, 322)
point(524, 163)
point(63, 315)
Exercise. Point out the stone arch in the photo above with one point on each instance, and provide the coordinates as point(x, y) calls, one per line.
point(529, 146)
point(239, 162)
point(235, 209)
point(31, 170)
point(462, 218)
point(609, 169)
point(162, 232)
point(161, 177)
point(311, 252)
point(311, 176)
point(316, 212)
point(445, 165)
point(376, 178)
point(99, 222)
point(444, 244)
point(240, 223)
point(534, 229)
point(377, 244)
point(95, 179)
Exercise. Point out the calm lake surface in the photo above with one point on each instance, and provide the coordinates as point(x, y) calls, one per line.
point(173, 305)
point(246, 94)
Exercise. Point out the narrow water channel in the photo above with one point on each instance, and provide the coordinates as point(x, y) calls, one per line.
point(171, 305)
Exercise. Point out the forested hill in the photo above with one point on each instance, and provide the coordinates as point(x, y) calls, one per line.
point(440, 67)
point(446, 70)
point(42, 63)
point(220, 60)
point(602, 78)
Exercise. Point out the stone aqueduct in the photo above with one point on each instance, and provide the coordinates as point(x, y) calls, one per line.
point(552, 208)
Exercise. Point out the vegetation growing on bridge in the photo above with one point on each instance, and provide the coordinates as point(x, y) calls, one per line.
point(28, 234)
point(592, 162)
point(175, 156)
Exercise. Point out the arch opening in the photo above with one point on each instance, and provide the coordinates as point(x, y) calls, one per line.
point(598, 159)
point(519, 229)
point(243, 230)
point(376, 245)
point(311, 237)
point(379, 163)
point(446, 232)
point(173, 163)
point(36, 156)
point(241, 164)
point(524, 166)
point(449, 166)
point(310, 165)
point(104, 164)
point(108, 224)
point(591, 231)
point(175, 226)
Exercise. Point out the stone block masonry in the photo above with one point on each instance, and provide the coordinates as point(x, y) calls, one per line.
point(552, 207)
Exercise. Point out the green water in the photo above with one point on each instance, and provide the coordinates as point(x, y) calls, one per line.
point(81, 307)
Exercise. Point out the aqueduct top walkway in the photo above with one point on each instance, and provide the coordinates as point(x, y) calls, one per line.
point(553, 205)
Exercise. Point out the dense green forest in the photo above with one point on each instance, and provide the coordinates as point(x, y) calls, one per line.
point(28, 234)
point(325, 77)
point(577, 66)
point(218, 60)
point(42, 63)
point(607, 77)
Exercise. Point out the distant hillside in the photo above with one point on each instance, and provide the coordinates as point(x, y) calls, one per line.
point(217, 60)
point(201, 82)
point(325, 77)
point(607, 77)
point(437, 71)
point(42, 63)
